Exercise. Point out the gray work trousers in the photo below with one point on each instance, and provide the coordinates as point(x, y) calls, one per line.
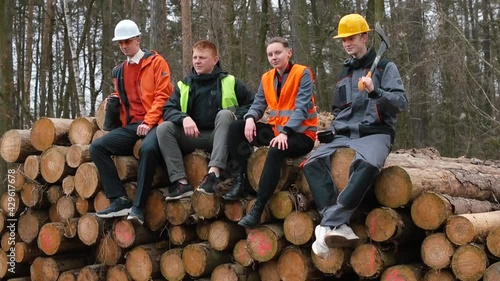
point(336, 208)
point(174, 144)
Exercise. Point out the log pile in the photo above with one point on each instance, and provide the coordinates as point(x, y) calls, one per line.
point(427, 218)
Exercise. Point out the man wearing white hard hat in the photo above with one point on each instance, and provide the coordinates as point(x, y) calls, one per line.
point(142, 86)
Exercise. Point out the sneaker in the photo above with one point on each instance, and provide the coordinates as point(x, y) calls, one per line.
point(178, 191)
point(208, 183)
point(136, 216)
point(341, 236)
point(119, 207)
point(319, 246)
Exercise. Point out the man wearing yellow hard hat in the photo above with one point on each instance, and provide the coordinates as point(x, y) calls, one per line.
point(365, 121)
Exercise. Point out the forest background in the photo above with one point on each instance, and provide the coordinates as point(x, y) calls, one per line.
point(57, 56)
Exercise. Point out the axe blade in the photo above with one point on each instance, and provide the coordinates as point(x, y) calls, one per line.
point(380, 31)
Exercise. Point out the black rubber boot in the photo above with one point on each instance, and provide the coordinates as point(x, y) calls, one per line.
point(252, 219)
point(238, 189)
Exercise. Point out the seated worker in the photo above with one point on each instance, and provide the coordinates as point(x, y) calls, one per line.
point(143, 85)
point(364, 121)
point(287, 90)
point(198, 115)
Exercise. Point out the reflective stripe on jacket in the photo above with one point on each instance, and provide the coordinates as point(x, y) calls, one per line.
point(281, 109)
point(229, 100)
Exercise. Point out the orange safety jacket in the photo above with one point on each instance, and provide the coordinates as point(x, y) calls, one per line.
point(281, 109)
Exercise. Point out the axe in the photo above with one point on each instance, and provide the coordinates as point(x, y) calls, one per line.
point(384, 45)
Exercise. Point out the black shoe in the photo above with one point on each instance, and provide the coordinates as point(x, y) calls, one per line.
point(178, 191)
point(238, 189)
point(136, 216)
point(119, 207)
point(252, 219)
point(208, 183)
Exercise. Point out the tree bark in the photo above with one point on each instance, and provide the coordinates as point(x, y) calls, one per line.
point(493, 241)
point(336, 261)
point(200, 260)
point(78, 154)
point(48, 269)
point(462, 229)
point(68, 184)
point(469, 262)
point(439, 275)
point(430, 210)
point(406, 176)
point(180, 235)
point(155, 215)
point(118, 273)
point(32, 168)
point(492, 273)
point(437, 250)
point(224, 235)
point(66, 207)
point(47, 132)
point(299, 226)
point(266, 242)
point(90, 228)
point(403, 272)
point(171, 264)
point(206, 206)
point(51, 240)
point(179, 211)
point(284, 202)
point(82, 130)
point(108, 251)
point(16, 146)
point(128, 235)
point(26, 253)
point(53, 164)
point(240, 253)
point(233, 271)
point(87, 180)
point(196, 166)
point(34, 196)
point(126, 166)
point(288, 173)
point(386, 224)
point(94, 272)
point(295, 263)
point(142, 262)
point(54, 193)
point(186, 37)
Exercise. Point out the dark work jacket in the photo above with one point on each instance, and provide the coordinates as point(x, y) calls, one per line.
point(205, 99)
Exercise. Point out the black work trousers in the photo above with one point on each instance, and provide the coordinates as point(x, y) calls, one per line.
point(240, 150)
point(121, 141)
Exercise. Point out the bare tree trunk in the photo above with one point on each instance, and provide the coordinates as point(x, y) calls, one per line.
point(186, 36)
point(159, 27)
point(45, 56)
point(81, 111)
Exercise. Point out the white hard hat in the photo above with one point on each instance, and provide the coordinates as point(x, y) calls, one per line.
point(126, 29)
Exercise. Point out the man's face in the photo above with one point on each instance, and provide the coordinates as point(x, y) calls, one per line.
point(130, 46)
point(278, 56)
point(204, 61)
point(355, 45)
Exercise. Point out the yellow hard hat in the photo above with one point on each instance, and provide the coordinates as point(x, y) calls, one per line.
point(352, 24)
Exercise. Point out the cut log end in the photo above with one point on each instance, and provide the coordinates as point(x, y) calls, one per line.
point(439, 275)
point(240, 253)
point(393, 187)
point(402, 272)
point(298, 228)
point(367, 261)
point(206, 206)
point(436, 251)
point(123, 233)
point(335, 262)
point(89, 229)
point(16, 146)
point(430, 210)
point(171, 265)
point(492, 273)
point(469, 262)
point(264, 244)
point(382, 224)
point(459, 230)
point(493, 242)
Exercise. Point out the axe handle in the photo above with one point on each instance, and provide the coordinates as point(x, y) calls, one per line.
point(361, 85)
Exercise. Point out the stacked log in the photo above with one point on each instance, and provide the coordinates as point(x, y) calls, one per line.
point(430, 218)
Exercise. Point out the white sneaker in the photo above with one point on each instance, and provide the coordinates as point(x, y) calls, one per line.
point(341, 236)
point(319, 247)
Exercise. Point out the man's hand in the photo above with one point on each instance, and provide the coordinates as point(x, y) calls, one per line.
point(143, 130)
point(368, 83)
point(281, 140)
point(250, 129)
point(190, 128)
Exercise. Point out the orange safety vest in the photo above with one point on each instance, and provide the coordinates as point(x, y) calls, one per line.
point(282, 109)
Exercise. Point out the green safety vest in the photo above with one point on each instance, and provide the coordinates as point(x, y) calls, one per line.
point(229, 100)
